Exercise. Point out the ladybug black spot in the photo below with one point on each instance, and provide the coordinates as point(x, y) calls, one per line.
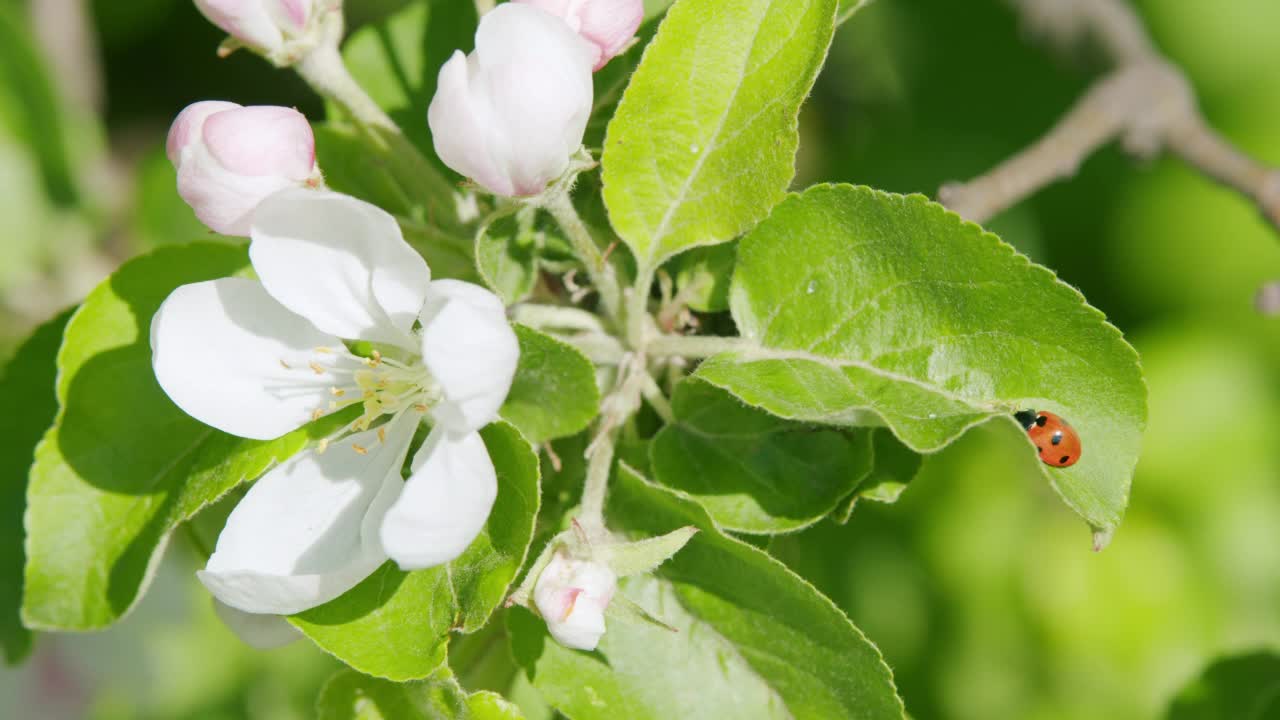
point(1057, 438)
point(1064, 459)
point(1042, 420)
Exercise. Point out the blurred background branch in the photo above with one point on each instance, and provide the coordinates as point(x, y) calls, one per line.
point(1145, 101)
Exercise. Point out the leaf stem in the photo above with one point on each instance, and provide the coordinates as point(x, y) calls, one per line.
point(657, 400)
point(638, 320)
point(603, 275)
point(560, 317)
point(693, 346)
point(600, 348)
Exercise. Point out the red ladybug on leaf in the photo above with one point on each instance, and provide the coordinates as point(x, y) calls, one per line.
point(1057, 441)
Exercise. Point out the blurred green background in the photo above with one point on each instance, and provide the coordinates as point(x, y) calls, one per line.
point(979, 585)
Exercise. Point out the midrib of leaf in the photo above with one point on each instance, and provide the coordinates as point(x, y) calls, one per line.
point(753, 353)
point(677, 202)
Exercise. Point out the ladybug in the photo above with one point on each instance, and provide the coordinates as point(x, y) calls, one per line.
point(1057, 441)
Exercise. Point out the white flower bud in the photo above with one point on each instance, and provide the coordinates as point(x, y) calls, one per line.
point(231, 158)
point(266, 26)
point(609, 25)
point(572, 595)
point(512, 113)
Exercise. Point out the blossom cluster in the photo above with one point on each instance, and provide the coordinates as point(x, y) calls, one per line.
point(259, 358)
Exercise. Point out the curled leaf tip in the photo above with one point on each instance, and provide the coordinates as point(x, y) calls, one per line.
point(1102, 538)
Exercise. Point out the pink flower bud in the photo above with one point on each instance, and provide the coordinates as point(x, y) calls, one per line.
point(264, 25)
point(609, 25)
point(512, 113)
point(572, 595)
point(230, 158)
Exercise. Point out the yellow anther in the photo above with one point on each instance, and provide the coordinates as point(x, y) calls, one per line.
point(369, 393)
point(324, 445)
point(382, 434)
point(316, 414)
point(377, 358)
point(323, 351)
point(315, 367)
point(359, 450)
point(337, 392)
point(421, 407)
point(284, 364)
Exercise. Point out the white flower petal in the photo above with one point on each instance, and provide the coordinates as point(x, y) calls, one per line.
point(471, 351)
point(445, 503)
point(264, 632)
point(341, 263)
point(463, 129)
point(308, 530)
point(233, 358)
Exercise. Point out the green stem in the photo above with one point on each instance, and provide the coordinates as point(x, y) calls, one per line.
point(599, 464)
point(603, 276)
point(557, 317)
point(324, 70)
point(657, 400)
point(693, 346)
point(638, 308)
point(327, 74)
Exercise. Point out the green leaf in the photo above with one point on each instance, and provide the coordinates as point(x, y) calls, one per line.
point(859, 307)
point(1244, 687)
point(396, 624)
point(752, 471)
point(507, 256)
point(702, 276)
point(754, 640)
point(122, 466)
point(642, 556)
point(720, 85)
point(349, 695)
point(554, 393)
point(894, 465)
point(27, 387)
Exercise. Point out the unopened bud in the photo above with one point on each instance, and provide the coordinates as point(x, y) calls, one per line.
point(265, 26)
point(609, 25)
point(230, 158)
point(512, 113)
point(572, 595)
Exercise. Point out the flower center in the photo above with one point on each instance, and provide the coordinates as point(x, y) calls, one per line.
point(380, 385)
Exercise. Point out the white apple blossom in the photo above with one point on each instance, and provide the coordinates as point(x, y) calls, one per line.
point(608, 25)
point(572, 596)
point(266, 26)
point(230, 158)
point(512, 113)
point(259, 358)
